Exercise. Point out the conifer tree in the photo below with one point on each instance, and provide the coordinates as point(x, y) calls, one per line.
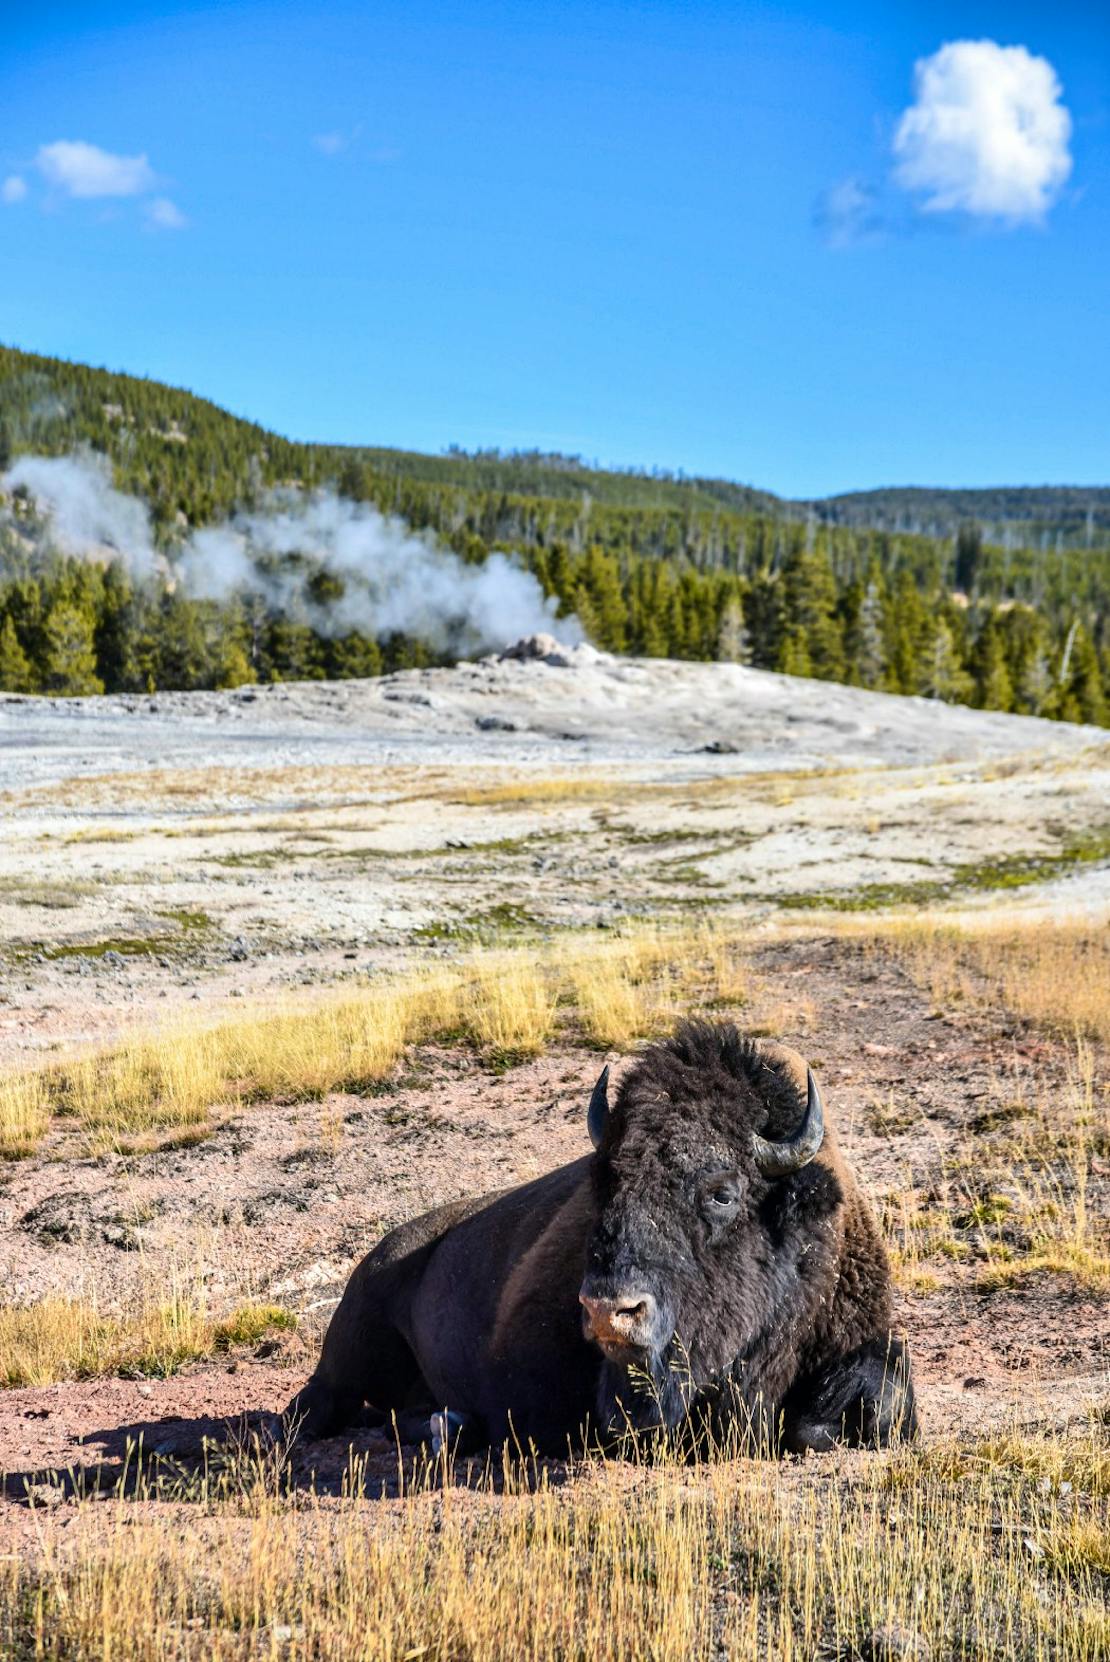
point(870, 657)
point(969, 555)
point(813, 641)
point(993, 687)
point(70, 665)
point(600, 577)
point(16, 674)
point(910, 645)
point(765, 620)
point(733, 642)
point(941, 674)
point(1082, 697)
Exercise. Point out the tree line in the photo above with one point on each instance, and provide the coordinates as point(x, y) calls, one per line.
point(72, 627)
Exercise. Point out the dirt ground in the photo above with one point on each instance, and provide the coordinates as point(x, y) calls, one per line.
point(284, 1202)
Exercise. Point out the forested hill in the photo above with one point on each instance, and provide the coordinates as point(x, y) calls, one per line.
point(184, 452)
point(1068, 516)
point(1009, 609)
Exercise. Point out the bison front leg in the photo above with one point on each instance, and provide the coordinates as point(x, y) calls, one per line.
point(364, 1362)
point(864, 1399)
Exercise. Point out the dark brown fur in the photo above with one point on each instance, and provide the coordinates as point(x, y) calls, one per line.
point(773, 1306)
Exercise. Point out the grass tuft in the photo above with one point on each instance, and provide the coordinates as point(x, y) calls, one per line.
point(64, 1338)
point(509, 1004)
point(25, 1105)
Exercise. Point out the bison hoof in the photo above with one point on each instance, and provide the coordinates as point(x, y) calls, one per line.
point(446, 1429)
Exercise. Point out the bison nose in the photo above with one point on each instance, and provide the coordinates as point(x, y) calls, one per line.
point(627, 1320)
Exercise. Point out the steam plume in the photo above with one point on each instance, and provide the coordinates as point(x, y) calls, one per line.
point(389, 578)
point(88, 516)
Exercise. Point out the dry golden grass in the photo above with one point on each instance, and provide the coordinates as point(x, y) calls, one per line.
point(25, 1106)
point(612, 989)
point(981, 1551)
point(511, 1005)
point(62, 1338)
point(520, 793)
point(222, 785)
point(1054, 974)
point(1013, 1202)
point(599, 786)
point(100, 834)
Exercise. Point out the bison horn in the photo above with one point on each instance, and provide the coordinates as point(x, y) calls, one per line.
point(599, 1108)
point(780, 1159)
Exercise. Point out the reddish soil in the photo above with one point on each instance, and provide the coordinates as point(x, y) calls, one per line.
point(287, 1200)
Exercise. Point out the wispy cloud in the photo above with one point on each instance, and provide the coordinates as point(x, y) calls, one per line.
point(848, 213)
point(81, 171)
point(164, 215)
point(330, 144)
point(86, 171)
point(334, 142)
point(986, 135)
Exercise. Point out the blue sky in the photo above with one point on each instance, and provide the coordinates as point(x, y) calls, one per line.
point(699, 236)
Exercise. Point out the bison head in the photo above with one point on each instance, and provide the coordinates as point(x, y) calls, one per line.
point(702, 1205)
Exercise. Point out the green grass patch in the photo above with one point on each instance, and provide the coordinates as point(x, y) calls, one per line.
point(482, 928)
point(252, 1322)
point(1013, 871)
point(187, 920)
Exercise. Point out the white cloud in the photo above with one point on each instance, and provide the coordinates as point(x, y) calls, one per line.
point(165, 215)
point(987, 133)
point(14, 189)
point(85, 170)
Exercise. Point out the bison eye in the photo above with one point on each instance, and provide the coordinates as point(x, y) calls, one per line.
point(721, 1199)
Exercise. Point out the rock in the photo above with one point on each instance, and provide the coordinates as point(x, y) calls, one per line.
point(47, 1495)
point(123, 1236)
point(495, 724)
point(239, 950)
point(259, 1207)
point(892, 1643)
point(541, 648)
point(63, 1218)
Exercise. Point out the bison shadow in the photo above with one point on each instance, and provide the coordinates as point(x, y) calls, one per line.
point(175, 1459)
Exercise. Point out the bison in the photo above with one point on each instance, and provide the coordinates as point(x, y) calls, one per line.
point(711, 1265)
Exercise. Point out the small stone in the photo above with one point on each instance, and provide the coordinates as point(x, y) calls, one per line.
point(123, 1236)
point(892, 1643)
point(47, 1495)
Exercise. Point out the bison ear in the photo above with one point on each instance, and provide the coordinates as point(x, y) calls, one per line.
point(599, 1108)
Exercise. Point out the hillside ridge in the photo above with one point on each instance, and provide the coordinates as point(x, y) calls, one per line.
point(48, 402)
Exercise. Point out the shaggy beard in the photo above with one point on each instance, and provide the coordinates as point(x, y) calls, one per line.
point(652, 1396)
